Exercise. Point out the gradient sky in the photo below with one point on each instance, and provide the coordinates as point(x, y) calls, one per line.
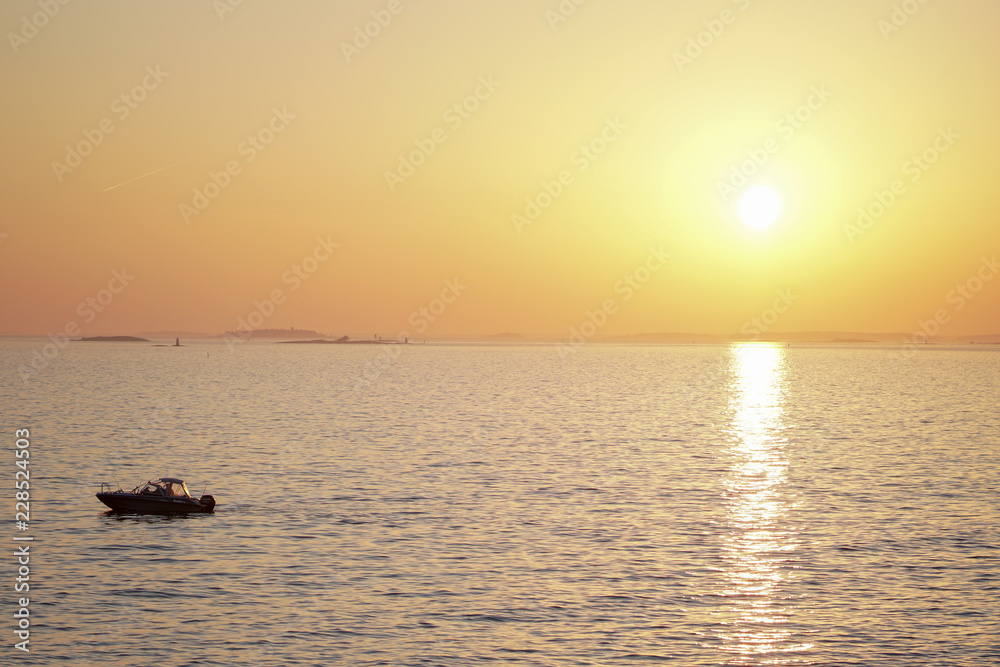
point(675, 130)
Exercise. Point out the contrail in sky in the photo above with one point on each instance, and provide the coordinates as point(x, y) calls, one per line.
point(155, 171)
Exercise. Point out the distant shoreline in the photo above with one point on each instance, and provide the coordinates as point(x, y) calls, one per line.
point(111, 339)
point(291, 337)
point(324, 341)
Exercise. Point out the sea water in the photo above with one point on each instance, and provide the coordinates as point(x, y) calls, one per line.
point(749, 504)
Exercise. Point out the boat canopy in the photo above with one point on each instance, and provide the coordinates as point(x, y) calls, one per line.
point(165, 486)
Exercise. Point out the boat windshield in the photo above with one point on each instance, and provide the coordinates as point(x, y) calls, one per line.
point(151, 489)
point(172, 488)
point(176, 489)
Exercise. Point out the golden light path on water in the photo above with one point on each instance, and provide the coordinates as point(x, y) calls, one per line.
point(758, 543)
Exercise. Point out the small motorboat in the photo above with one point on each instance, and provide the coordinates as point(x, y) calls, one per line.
point(167, 495)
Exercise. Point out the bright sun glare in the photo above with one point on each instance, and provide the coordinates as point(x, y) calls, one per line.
point(759, 207)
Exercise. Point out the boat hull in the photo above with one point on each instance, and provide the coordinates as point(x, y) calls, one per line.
point(137, 504)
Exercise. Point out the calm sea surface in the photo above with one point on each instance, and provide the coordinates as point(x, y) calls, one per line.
point(501, 505)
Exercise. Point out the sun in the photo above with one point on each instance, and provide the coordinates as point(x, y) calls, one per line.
point(759, 207)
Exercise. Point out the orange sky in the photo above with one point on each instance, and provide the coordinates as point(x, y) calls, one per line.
point(623, 122)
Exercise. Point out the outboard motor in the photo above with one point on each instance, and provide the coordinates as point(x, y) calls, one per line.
point(207, 503)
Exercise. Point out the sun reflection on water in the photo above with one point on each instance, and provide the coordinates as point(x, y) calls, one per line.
point(758, 542)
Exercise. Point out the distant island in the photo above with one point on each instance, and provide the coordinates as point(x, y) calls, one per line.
point(309, 336)
point(177, 343)
point(343, 340)
point(275, 333)
point(112, 339)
